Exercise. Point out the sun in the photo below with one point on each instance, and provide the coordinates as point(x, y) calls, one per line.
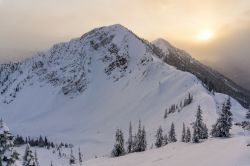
point(205, 35)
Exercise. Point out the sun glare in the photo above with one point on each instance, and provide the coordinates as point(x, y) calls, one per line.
point(205, 35)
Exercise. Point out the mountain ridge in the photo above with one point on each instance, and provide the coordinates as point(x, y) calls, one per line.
point(92, 85)
point(210, 77)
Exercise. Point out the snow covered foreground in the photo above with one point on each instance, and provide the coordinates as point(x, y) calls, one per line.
point(80, 92)
point(221, 152)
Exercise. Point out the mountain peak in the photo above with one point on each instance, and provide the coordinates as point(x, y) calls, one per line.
point(70, 66)
point(168, 49)
point(116, 26)
point(161, 40)
point(163, 44)
point(108, 29)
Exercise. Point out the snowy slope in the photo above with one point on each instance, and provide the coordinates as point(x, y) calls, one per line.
point(81, 91)
point(213, 79)
point(222, 152)
point(214, 151)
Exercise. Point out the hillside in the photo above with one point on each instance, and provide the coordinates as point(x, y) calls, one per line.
point(211, 152)
point(211, 78)
point(81, 91)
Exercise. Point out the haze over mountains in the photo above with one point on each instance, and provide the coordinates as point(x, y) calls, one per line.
point(81, 91)
point(214, 80)
point(51, 21)
point(124, 83)
point(236, 72)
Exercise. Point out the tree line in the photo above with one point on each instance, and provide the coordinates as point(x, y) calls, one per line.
point(38, 142)
point(8, 155)
point(178, 107)
point(138, 143)
point(135, 143)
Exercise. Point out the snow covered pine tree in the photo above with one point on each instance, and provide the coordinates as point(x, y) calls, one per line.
point(130, 139)
point(72, 159)
point(140, 142)
point(224, 122)
point(80, 156)
point(36, 159)
point(143, 140)
point(159, 138)
point(183, 136)
point(119, 144)
point(165, 139)
point(188, 135)
point(8, 155)
point(166, 113)
point(199, 128)
point(29, 158)
point(171, 135)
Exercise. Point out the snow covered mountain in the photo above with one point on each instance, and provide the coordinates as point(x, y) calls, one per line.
point(213, 79)
point(81, 91)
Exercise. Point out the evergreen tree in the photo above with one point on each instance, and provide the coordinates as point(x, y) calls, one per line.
point(183, 136)
point(140, 142)
point(135, 143)
point(130, 139)
point(200, 129)
point(48, 146)
point(52, 145)
point(19, 140)
point(143, 140)
point(59, 152)
point(204, 134)
point(139, 136)
point(36, 159)
point(195, 138)
point(172, 136)
point(8, 155)
point(29, 158)
point(51, 164)
point(159, 138)
point(80, 156)
point(248, 113)
point(166, 113)
point(188, 100)
point(165, 139)
point(72, 159)
point(119, 144)
point(61, 144)
point(41, 142)
point(224, 122)
point(188, 135)
point(46, 141)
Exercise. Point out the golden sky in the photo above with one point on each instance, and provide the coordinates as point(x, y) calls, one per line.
point(209, 29)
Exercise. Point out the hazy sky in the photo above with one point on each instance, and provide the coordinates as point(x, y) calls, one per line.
point(27, 26)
